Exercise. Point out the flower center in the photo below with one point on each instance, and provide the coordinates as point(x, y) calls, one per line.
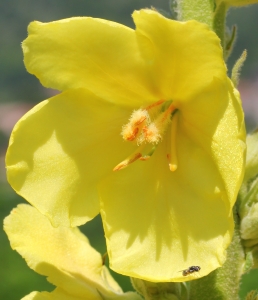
point(146, 128)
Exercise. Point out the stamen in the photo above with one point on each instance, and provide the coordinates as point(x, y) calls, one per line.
point(154, 132)
point(154, 104)
point(146, 127)
point(130, 134)
point(138, 117)
point(130, 159)
point(147, 156)
point(136, 122)
point(168, 112)
point(172, 156)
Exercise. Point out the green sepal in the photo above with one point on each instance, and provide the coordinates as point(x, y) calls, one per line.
point(255, 257)
point(249, 244)
point(237, 2)
point(249, 223)
point(230, 39)
point(235, 75)
point(249, 263)
point(160, 290)
point(253, 295)
point(219, 25)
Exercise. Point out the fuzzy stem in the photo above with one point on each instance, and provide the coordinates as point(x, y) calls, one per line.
point(199, 10)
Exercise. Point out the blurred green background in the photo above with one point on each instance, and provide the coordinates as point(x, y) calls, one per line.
point(19, 91)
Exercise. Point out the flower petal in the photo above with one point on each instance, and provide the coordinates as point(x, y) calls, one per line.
point(164, 223)
point(35, 296)
point(214, 120)
point(57, 294)
point(96, 54)
point(63, 254)
point(177, 59)
point(169, 221)
point(61, 149)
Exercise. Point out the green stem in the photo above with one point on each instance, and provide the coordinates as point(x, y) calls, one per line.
point(206, 12)
point(199, 10)
point(223, 283)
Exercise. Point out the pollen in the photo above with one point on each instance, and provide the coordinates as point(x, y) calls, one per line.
point(146, 127)
point(152, 134)
point(139, 116)
point(136, 122)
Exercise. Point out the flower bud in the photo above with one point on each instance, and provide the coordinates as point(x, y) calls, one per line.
point(251, 169)
point(248, 201)
point(249, 224)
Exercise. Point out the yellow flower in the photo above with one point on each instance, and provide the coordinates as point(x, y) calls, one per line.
point(155, 105)
point(64, 255)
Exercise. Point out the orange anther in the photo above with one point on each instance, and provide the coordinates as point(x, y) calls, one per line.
point(133, 135)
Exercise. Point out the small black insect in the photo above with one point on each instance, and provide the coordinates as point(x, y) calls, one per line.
point(191, 270)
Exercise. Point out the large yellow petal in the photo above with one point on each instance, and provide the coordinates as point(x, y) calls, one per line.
point(183, 57)
point(162, 58)
point(169, 221)
point(36, 296)
point(159, 222)
point(61, 149)
point(59, 294)
point(63, 254)
point(215, 121)
point(96, 54)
